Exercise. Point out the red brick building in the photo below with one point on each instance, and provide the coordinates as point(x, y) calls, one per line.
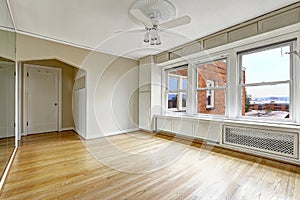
point(210, 75)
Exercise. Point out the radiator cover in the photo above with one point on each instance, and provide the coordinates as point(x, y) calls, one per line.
point(268, 141)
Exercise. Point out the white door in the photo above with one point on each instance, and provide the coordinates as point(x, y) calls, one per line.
point(7, 99)
point(42, 99)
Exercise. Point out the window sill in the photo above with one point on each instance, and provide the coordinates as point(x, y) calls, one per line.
point(249, 121)
point(222, 119)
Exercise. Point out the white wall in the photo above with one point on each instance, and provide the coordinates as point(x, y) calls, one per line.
point(150, 92)
point(7, 47)
point(110, 82)
point(79, 105)
point(115, 98)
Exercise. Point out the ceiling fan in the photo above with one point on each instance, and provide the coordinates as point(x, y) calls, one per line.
point(156, 15)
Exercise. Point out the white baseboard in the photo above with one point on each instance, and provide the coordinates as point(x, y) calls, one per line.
point(147, 131)
point(121, 132)
point(115, 133)
point(80, 134)
point(7, 168)
point(62, 129)
point(67, 129)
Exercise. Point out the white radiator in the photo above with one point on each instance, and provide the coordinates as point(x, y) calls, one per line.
point(267, 141)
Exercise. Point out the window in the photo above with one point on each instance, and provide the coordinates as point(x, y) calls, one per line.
point(211, 87)
point(265, 79)
point(177, 89)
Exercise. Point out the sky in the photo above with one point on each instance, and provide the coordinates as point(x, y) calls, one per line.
point(268, 66)
point(265, 66)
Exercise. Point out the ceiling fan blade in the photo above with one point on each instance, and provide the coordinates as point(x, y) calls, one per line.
point(176, 22)
point(139, 15)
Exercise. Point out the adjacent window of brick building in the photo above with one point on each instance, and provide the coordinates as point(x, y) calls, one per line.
point(211, 87)
point(265, 80)
point(210, 94)
point(177, 89)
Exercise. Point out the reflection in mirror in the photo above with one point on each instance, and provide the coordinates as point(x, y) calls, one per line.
point(7, 86)
point(7, 107)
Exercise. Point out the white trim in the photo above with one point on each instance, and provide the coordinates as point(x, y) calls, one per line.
point(176, 65)
point(218, 57)
point(179, 91)
point(266, 83)
point(230, 51)
point(59, 70)
point(70, 44)
point(53, 58)
point(54, 40)
point(8, 166)
point(211, 88)
point(3, 28)
point(80, 134)
point(113, 133)
point(18, 81)
point(292, 87)
point(59, 98)
point(211, 59)
point(68, 129)
point(283, 34)
point(11, 15)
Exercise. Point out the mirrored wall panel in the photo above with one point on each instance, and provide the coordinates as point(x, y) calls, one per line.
point(7, 86)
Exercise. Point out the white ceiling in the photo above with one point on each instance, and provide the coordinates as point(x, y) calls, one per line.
point(5, 19)
point(97, 24)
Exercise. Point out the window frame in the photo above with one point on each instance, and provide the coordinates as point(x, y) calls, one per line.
point(213, 89)
point(290, 82)
point(230, 51)
point(179, 90)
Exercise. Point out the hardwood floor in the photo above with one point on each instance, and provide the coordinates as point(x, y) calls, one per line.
point(142, 166)
point(7, 146)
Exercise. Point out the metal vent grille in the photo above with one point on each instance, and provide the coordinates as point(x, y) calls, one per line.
point(275, 142)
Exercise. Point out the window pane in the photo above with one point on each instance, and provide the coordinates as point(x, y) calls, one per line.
point(266, 66)
point(177, 79)
point(214, 72)
point(172, 100)
point(183, 97)
point(177, 102)
point(184, 84)
point(173, 83)
point(177, 86)
point(211, 102)
point(269, 101)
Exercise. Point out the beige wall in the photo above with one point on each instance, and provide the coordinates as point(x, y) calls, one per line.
point(5, 60)
point(68, 76)
point(103, 70)
point(8, 42)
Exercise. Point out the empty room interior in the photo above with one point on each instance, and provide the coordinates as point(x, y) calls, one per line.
point(150, 99)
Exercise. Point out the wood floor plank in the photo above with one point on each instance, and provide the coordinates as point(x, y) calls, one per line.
point(143, 166)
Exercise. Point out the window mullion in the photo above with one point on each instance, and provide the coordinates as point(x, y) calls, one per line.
point(266, 83)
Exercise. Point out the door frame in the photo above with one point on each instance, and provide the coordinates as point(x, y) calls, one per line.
point(25, 95)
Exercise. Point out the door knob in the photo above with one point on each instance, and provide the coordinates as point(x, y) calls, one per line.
point(55, 104)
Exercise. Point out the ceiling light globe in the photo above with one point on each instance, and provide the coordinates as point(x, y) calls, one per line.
point(146, 37)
